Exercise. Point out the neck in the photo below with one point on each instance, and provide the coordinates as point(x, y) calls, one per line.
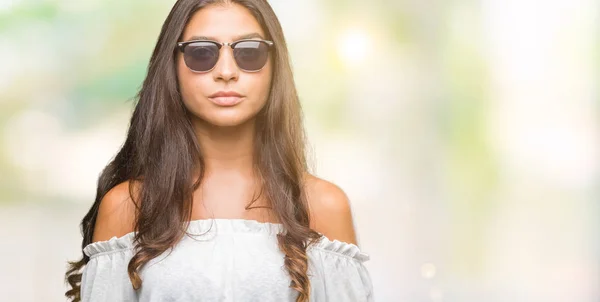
point(226, 148)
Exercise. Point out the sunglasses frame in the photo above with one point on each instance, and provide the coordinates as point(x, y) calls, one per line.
point(181, 46)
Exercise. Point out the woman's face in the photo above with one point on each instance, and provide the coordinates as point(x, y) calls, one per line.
point(223, 23)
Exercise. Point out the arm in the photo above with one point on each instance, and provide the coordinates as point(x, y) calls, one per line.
point(337, 266)
point(105, 277)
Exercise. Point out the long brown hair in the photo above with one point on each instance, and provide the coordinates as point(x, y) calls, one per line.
point(161, 154)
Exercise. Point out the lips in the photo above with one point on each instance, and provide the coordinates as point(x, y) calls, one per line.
point(226, 98)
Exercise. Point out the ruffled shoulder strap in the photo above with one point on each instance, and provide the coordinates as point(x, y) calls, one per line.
point(114, 244)
point(342, 248)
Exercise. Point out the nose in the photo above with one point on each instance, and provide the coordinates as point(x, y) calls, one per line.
point(226, 68)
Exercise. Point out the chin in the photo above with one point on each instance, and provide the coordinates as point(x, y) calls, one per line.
point(222, 120)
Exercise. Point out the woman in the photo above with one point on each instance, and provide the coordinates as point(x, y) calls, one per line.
point(209, 198)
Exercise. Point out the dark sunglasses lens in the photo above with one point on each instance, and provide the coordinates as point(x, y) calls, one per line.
point(201, 56)
point(251, 55)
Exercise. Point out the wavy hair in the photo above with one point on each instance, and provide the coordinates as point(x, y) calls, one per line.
point(161, 155)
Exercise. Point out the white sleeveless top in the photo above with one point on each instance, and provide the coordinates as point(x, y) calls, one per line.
point(229, 260)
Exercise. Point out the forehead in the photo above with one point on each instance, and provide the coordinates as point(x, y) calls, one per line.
point(222, 22)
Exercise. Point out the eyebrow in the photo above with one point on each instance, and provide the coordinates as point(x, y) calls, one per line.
point(241, 37)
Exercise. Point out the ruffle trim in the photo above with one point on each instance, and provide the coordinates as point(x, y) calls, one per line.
point(220, 225)
point(114, 244)
point(347, 249)
point(223, 225)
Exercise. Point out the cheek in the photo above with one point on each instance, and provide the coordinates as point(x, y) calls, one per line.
point(265, 82)
point(191, 85)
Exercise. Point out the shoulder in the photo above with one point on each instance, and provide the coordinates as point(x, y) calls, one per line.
point(330, 210)
point(116, 214)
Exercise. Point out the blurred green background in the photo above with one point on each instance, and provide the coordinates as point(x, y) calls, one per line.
point(466, 134)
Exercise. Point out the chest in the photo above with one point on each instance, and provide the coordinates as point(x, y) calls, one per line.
point(227, 267)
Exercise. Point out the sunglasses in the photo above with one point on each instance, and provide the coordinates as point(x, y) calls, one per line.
point(202, 55)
